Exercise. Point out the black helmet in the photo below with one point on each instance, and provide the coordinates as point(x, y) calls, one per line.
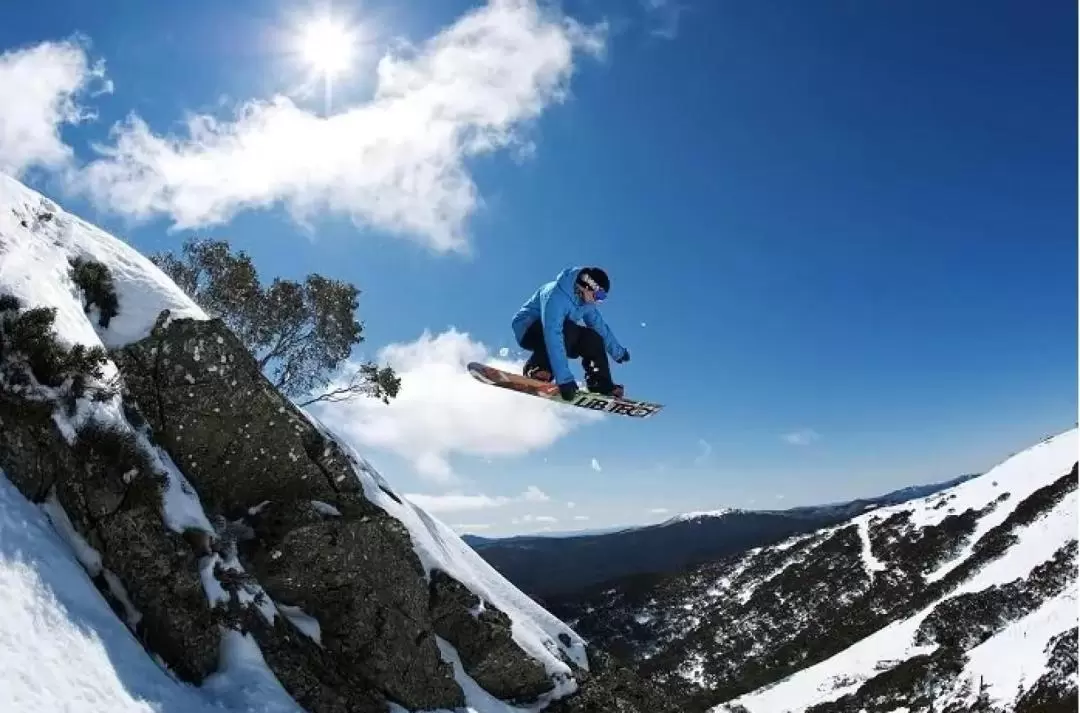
point(592, 278)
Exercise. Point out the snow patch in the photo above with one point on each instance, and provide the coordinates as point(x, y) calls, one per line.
point(87, 555)
point(62, 648)
point(306, 623)
point(872, 563)
point(697, 515)
point(244, 682)
point(325, 509)
point(1011, 661)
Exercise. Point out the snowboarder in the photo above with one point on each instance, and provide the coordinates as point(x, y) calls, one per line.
point(549, 326)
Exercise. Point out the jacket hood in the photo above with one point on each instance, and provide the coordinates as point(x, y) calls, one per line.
point(565, 281)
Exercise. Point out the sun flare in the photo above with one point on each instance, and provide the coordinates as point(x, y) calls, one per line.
point(327, 46)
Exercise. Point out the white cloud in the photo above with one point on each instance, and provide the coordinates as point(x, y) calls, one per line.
point(39, 91)
point(534, 494)
point(595, 465)
point(663, 16)
point(470, 527)
point(581, 518)
point(396, 162)
point(658, 511)
point(802, 437)
point(453, 502)
point(571, 505)
point(442, 411)
point(541, 518)
point(704, 451)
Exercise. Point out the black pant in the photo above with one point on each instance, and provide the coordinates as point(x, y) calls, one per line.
point(581, 342)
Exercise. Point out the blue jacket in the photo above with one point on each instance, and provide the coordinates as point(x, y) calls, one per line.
point(554, 303)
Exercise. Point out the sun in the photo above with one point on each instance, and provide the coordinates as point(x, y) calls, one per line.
point(327, 46)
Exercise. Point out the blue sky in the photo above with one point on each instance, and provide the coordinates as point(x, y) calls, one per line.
point(842, 236)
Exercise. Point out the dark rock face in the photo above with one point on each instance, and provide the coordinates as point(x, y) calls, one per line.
point(292, 532)
point(611, 687)
point(123, 523)
point(488, 653)
point(730, 627)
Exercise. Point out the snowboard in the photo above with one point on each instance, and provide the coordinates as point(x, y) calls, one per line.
point(584, 399)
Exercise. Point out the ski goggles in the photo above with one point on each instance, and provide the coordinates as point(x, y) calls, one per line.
point(599, 293)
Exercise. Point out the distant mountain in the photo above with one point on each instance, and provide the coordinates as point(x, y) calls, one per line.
point(961, 600)
point(476, 541)
point(544, 566)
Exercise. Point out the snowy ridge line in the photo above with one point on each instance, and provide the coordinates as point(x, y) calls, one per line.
point(37, 240)
point(1037, 542)
point(696, 515)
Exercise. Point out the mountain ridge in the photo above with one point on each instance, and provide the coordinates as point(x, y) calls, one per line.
point(811, 623)
point(557, 566)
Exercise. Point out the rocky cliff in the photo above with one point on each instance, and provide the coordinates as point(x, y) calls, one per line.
point(207, 506)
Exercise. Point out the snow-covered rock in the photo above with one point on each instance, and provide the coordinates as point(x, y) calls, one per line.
point(229, 529)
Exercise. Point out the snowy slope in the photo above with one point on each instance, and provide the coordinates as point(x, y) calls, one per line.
point(845, 618)
point(63, 649)
point(1037, 543)
point(37, 239)
point(1012, 659)
point(58, 608)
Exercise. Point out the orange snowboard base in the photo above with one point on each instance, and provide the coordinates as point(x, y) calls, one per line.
point(584, 399)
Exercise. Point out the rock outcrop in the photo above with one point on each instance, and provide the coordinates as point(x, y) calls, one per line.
point(213, 504)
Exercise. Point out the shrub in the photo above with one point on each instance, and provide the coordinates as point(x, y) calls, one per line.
point(27, 338)
point(96, 283)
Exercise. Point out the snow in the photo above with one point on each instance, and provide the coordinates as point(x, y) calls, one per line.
point(63, 649)
point(1036, 543)
point(697, 515)
point(34, 267)
point(87, 555)
point(1013, 660)
point(872, 563)
point(244, 682)
point(693, 669)
point(325, 509)
point(302, 621)
point(1055, 457)
point(182, 508)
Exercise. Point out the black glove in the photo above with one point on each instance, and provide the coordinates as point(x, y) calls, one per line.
point(624, 358)
point(568, 390)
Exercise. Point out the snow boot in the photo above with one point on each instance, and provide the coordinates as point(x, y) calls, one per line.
point(532, 371)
